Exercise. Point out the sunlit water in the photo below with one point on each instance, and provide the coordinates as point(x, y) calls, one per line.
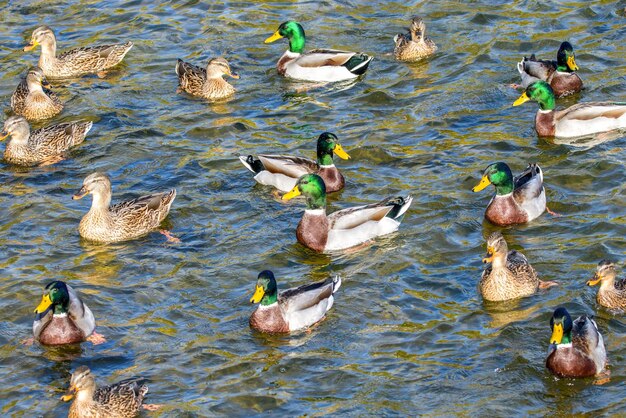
point(409, 333)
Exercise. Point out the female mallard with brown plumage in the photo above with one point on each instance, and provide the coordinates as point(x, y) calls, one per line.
point(576, 348)
point(120, 400)
point(63, 318)
point(517, 200)
point(344, 228)
point(558, 74)
point(43, 145)
point(292, 309)
point(208, 83)
point(612, 293)
point(283, 171)
point(413, 45)
point(75, 62)
point(582, 119)
point(510, 275)
point(32, 100)
point(324, 65)
point(124, 220)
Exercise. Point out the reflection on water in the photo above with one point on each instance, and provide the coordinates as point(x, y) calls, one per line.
point(408, 333)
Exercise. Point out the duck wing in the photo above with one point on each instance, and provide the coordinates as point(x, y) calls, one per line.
point(80, 313)
point(392, 207)
point(148, 210)
point(355, 62)
point(528, 186)
point(304, 297)
point(125, 395)
point(592, 110)
point(190, 76)
point(95, 58)
point(288, 165)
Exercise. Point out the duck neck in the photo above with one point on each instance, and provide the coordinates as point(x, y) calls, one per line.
point(269, 299)
point(499, 261)
point(85, 396)
point(48, 50)
point(297, 41)
point(325, 159)
point(19, 136)
point(101, 201)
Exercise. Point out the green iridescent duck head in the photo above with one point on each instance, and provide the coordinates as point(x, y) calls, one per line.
point(327, 144)
point(499, 174)
point(294, 32)
point(56, 296)
point(561, 325)
point(541, 92)
point(266, 290)
point(565, 59)
point(313, 188)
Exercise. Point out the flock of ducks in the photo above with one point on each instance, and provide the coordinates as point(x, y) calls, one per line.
point(576, 347)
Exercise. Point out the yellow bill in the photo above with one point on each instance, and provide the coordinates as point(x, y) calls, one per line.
point(340, 152)
point(258, 294)
point(293, 193)
point(594, 280)
point(522, 99)
point(489, 257)
point(571, 63)
point(484, 182)
point(3, 136)
point(234, 75)
point(31, 45)
point(44, 304)
point(557, 334)
point(69, 394)
point(81, 193)
point(276, 36)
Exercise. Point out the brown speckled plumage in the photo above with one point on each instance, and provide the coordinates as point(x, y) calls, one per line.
point(30, 148)
point(120, 400)
point(414, 45)
point(33, 101)
point(612, 292)
point(75, 62)
point(509, 276)
point(122, 221)
point(207, 83)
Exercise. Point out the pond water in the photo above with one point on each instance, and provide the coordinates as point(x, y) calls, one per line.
point(409, 334)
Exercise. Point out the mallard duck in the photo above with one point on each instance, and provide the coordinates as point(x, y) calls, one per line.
point(75, 62)
point(558, 74)
point(120, 400)
point(42, 145)
point(124, 220)
point(324, 65)
point(62, 317)
point(510, 275)
point(576, 349)
point(292, 309)
point(612, 293)
point(413, 45)
point(347, 227)
point(517, 200)
point(283, 171)
point(208, 83)
point(32, 100)
point(579, 120)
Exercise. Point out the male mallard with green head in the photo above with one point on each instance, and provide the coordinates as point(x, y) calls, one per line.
point(120, 400)
point(122, 221)
point(517, 200)
point(509, 275)
point(558, 74)
point(414, 45)
point(43, 145)
point(208, 83)
point(345, 228)
point(612, 293)
point(579, 120)
point(75, 62)
point(324, 65)
point(63, 318)
point(292, 309)
point(32, 100)
point(283, 171)
point(576, 348)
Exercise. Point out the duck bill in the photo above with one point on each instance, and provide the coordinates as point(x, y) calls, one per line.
point(81, 193)
point(489, 257)
point(69, 394)
point(594, 280)
point(293, 193)
point(44, 305)
point(557, 334)
point(31, 46)
point(276, 36)
point(340, 152)
point(234, 75)
point(3, 135)
point(484, 182)
point(571, 63)
point(44, 83)
point(522, 99)
point(258, 294)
